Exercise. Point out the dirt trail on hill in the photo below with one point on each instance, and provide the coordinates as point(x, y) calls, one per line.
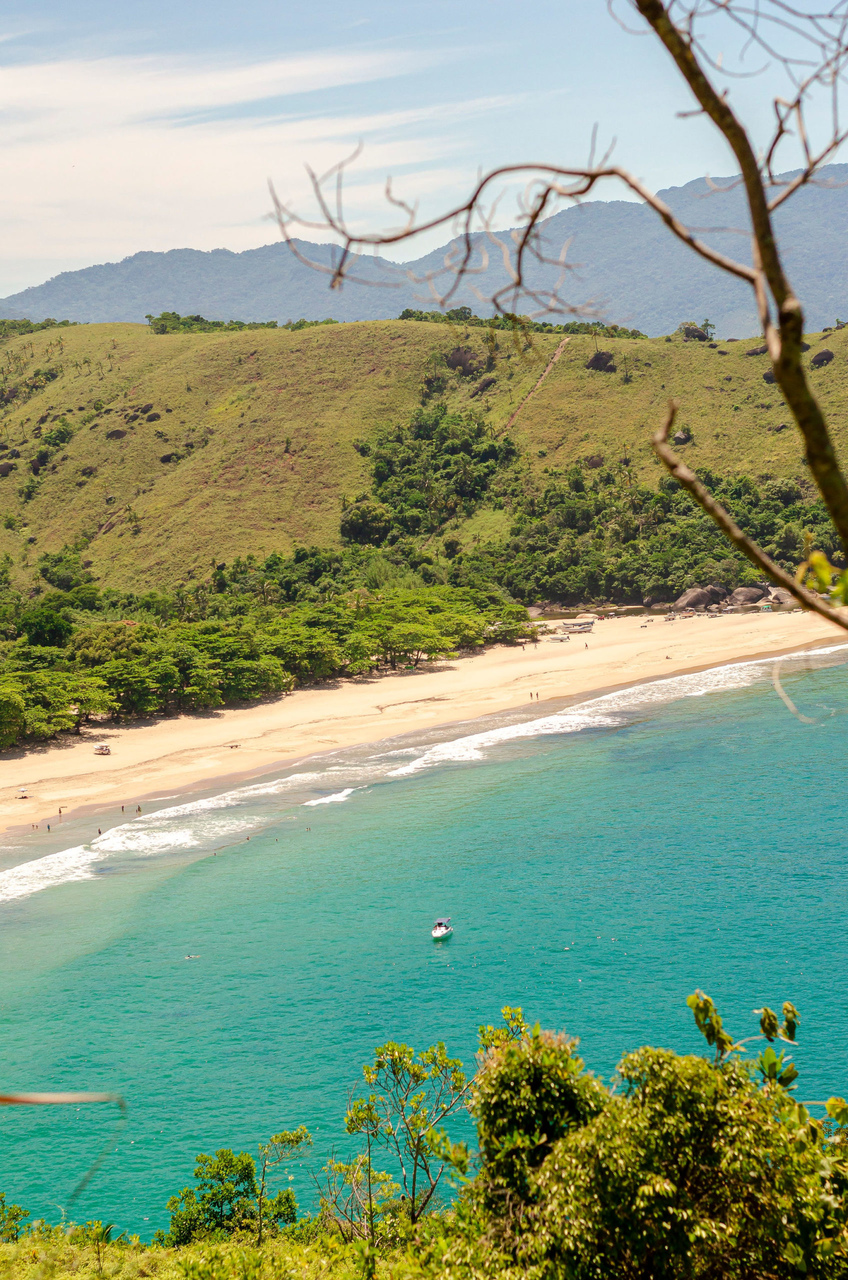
point(556, 355)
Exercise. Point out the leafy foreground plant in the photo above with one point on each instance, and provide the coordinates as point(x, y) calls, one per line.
point(681, 1168)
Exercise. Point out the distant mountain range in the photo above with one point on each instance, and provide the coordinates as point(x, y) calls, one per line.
point(624, 263)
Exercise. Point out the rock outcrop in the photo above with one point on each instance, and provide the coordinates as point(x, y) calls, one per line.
point(602, 362)
point(781, 596)
point(746, 595)
point(700, 597)
point(821, 358)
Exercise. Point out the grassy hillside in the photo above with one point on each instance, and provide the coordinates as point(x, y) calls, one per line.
point(165, 452)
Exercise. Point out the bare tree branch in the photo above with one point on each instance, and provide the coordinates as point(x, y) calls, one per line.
point(690, 482)
point(810, 48)
point(786, 353)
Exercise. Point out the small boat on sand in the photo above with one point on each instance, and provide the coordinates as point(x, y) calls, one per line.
point(442, 928)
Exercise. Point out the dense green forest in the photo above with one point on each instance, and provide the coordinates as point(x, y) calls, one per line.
point(680, 1166)
point(77, 652)
point(592, 534)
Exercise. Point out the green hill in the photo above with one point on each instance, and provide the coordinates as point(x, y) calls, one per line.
point(161, 453)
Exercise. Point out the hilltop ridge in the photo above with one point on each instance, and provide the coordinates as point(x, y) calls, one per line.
point(625, 263)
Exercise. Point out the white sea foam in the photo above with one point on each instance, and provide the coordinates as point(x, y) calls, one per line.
point(473, 746)
point(598, 713)
point(333, 799)
point(44, 873)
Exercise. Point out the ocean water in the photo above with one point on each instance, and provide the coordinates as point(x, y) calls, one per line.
point(227, 962)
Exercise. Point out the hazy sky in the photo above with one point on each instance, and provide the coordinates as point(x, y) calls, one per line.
point(155, 124)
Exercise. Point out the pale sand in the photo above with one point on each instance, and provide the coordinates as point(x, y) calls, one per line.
point(177, 754)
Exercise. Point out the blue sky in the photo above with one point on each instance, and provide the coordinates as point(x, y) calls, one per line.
point(156, 125)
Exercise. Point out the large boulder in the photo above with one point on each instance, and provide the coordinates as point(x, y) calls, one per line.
point(746, 595)
point(781, 596)
point(602, 362)
point(821, 357)
point(692, 333)
point(694, 598)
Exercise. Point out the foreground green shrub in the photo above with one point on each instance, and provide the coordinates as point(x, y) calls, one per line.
point(680, 1168)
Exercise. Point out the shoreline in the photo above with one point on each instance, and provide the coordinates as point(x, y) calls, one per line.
point(188, 754)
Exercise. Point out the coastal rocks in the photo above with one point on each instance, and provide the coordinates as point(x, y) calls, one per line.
point(700, 597)
point(781, 596)
point(602, 362)
point(822, 358)
point(746, 595)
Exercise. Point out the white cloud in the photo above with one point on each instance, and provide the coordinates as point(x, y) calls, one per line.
point(102, 158)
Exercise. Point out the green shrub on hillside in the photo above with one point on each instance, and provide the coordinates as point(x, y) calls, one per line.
point(18, 328)
point(440, 467)
point(520, 324)
point(173, 322)
point(226, 1202)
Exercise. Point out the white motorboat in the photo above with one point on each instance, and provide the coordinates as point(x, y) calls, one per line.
point(442, 928)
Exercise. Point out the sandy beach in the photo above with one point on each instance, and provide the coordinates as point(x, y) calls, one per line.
point(196, 751)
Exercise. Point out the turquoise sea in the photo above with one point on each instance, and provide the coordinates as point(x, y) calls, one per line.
point(600, 860)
